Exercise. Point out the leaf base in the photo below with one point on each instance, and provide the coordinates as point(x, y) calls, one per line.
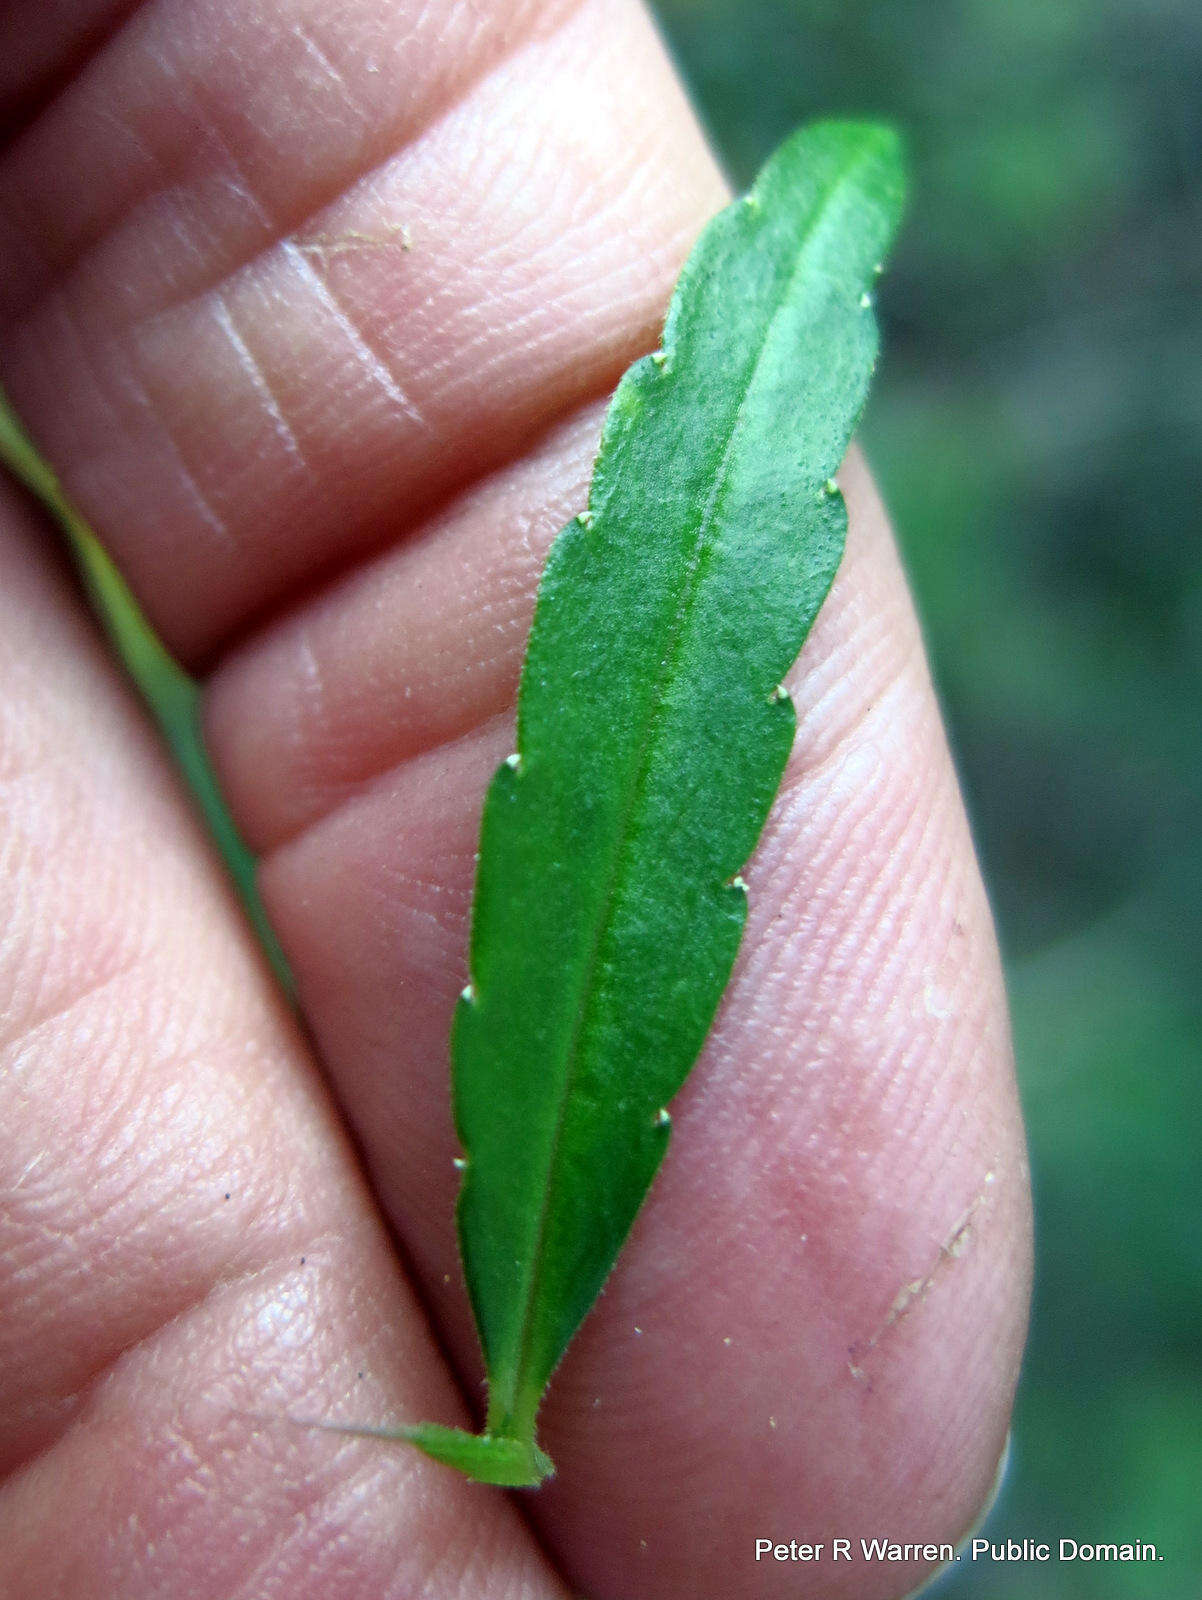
point(486, 1457)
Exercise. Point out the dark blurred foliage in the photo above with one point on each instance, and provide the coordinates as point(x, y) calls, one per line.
point(1037, 431)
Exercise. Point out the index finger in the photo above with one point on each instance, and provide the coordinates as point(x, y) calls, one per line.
point(817, 1323)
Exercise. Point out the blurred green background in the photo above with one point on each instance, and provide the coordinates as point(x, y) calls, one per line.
point(1037, 430)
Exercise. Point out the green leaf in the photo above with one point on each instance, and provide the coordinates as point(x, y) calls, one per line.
point(171, 696)
point(651, 739)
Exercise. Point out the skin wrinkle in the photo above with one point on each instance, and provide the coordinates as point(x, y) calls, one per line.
point(373, 903)
point(323, 62)
point(124, 1149)
point(133, 1378)
point(46, 977)
point(86, 1384)
point(142, 404)
point(817, 680)
point(296, 728)
point(309, 702)
point(877, 708)
point(258, 378)
point(375, 1480)
point(163, 1332)
point(571, 385)
point(60, 1010)
point(416, 1577)
point(112, 1160)
point(372, 361)
point(298, 1533)
point(153, 396)
point(279, 230)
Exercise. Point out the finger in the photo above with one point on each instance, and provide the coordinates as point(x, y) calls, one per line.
point(818, 1321)
point(184, 1238)
point(370, 301)
point(434, 630)
point(887, 1083)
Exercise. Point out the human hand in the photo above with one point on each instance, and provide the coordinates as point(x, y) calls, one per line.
point(314, 310)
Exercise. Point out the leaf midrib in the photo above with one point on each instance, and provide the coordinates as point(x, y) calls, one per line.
point(588, 987)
